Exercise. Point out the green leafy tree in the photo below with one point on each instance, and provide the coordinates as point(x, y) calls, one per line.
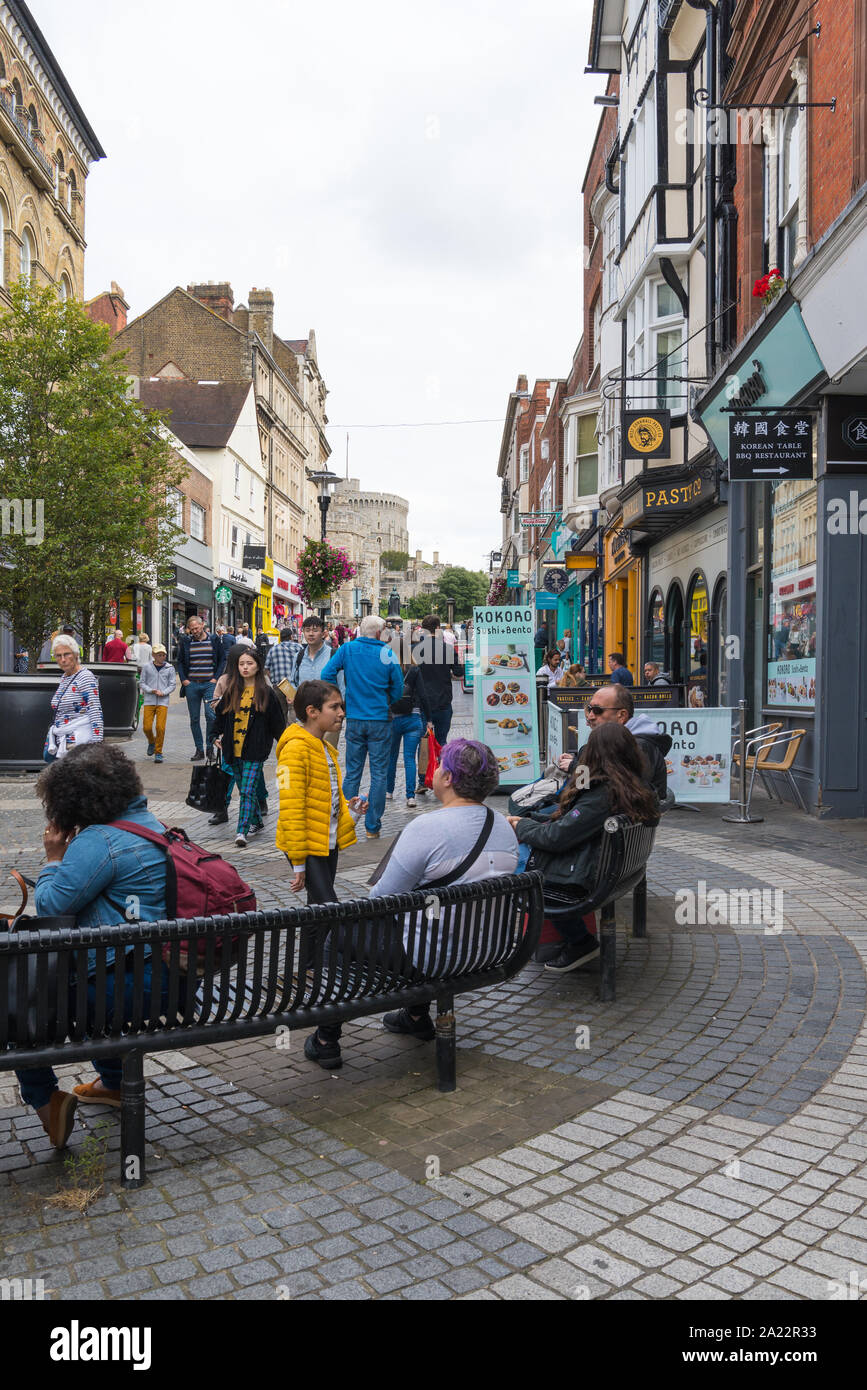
point(393, 560)
point(468, 588)
point(85, 472)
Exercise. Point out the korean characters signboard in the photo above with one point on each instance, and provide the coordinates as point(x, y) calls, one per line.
point(504, 686)
point(771, 447)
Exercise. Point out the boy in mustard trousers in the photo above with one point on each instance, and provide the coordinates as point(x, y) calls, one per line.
point(315, 819)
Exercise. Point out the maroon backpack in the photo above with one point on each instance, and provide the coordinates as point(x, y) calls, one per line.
point(198, 882)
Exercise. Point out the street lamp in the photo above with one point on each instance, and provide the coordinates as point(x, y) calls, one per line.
point(325, 481)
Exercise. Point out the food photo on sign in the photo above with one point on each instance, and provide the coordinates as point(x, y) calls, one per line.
point(698, 764)
point(504, 685)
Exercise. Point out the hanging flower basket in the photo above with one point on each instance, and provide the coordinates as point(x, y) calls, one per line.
point(769, 287)
point(321, 570)
point(497, 591)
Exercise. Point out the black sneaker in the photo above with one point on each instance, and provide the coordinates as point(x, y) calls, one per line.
point(198, 756)
point(573, 956)
point(403, 1022)
point(151, 749)
point(219, 818)
point(327, 1054)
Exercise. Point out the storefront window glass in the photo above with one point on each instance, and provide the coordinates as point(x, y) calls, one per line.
point(792, 607)
point(722, 634)
point(657, 630)
point(698, 611)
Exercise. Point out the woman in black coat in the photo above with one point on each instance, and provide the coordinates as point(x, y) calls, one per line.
point(248, 720)
point(608, 781)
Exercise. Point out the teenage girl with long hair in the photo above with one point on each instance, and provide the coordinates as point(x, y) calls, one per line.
point(249, 718)
point(608, 780)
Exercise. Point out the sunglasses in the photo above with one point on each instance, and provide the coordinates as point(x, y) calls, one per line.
point(598, 710)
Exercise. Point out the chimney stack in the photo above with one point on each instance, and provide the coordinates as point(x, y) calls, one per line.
point(436, 556)
point(261, 307)
point(216, 295)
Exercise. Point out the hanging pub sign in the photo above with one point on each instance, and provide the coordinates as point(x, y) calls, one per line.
point(774, 446)
point(646, 434)
point(847, 434)
point(556, 581)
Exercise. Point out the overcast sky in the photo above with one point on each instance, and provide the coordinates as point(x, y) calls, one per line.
point(406, 178)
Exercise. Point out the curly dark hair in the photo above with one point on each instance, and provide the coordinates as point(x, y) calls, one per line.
point(473, 768)
point(92, 785)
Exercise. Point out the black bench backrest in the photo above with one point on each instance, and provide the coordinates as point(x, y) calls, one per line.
point(622, 859)
point(259, 969)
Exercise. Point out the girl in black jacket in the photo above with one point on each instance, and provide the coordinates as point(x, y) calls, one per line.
point(608, 780)
point(410, 717)
point(248, 720)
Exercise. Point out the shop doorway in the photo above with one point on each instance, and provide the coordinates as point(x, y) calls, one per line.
point(697, 656)
point(674, 634)
point(656, 630)
point(718, 643)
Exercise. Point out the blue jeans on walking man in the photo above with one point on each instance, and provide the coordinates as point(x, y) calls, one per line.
point(368, 738)
point(406, 729)
point(442, 722)
point(199, 692)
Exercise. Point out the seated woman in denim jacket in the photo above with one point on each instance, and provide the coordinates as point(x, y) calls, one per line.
point(102, 875)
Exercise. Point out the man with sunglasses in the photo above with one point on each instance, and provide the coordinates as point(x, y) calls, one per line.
point(614, 704)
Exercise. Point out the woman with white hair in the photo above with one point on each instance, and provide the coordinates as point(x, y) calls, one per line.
point(77, 713)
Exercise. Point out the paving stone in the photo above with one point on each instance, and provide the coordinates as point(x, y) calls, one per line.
point(543, 1233)
point(518, 1287)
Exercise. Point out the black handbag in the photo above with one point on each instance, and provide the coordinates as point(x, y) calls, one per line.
point(209, 786)
point(30, 981)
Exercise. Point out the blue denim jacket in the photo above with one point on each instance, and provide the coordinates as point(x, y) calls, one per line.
point(107, 876)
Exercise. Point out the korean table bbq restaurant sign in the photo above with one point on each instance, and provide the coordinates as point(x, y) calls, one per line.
point(504, 690)
point(772, 447)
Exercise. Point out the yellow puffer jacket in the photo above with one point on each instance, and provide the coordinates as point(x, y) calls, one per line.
point(305, 796)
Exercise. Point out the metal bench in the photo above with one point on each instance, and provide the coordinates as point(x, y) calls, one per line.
point(250, 980)
point(621, 869)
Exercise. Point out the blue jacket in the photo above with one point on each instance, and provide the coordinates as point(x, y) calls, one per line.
point(373, 677)
point(182, 663)
point(107, 876)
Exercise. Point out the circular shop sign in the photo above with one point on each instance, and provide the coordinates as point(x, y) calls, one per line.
point(223, 594)
point(556, 581)
point(645, 434)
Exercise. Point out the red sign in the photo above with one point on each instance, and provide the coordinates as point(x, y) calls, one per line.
point(112, 613)
point(282, 583)
point(295, 590)
point(787, 588)
point(806, 584)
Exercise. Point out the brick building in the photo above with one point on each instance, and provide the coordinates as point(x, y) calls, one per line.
point(48, 146)
point(797, 552)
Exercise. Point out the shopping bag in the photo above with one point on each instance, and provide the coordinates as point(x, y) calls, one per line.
point(434, 750)
point(209, 786)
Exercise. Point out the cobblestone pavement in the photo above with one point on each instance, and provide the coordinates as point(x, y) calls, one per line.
point(704, 1137)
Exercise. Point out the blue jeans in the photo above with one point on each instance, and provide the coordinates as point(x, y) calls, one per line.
point(197, 693)
point(409, 729)
point(442, 722)
point(368, 738)
point(39, 1083)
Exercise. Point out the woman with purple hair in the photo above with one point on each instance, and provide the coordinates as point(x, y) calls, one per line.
point(461, 842)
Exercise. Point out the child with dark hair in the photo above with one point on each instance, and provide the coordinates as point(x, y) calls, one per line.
point(248, 720)
point(315, 819)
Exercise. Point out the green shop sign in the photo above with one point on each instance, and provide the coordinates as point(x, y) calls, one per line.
point(775, 369)
point(223, 594)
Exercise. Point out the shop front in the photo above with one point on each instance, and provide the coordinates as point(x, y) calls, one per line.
point(621, 595)
point(264, 617)
point(675, 513)
point(285, 599)
point(797, 553)
point(236, 595)
point(191, 596)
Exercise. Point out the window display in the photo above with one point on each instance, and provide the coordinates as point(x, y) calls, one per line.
point(792, 611)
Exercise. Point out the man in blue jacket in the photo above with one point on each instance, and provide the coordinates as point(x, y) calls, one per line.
point(373, 680)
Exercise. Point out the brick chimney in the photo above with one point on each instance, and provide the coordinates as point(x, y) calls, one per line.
point(261, 307)
point(216, 295)
point(110, 307)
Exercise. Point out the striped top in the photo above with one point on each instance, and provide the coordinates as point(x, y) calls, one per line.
point(76, 695)
point(201, 660)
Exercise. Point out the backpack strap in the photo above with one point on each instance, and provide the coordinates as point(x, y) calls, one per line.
point(471, 858)
point(155, 837)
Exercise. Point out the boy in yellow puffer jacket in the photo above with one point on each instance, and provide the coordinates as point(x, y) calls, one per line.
point(315, 819)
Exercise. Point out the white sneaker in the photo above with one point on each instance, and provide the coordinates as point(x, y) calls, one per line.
point(411, 801)
point(240, 841)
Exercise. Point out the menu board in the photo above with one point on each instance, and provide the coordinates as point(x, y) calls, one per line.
point(792, 682)
point(698, 763)
point(504, 686)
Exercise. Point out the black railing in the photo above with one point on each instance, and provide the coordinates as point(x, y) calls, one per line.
point(23, 124)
